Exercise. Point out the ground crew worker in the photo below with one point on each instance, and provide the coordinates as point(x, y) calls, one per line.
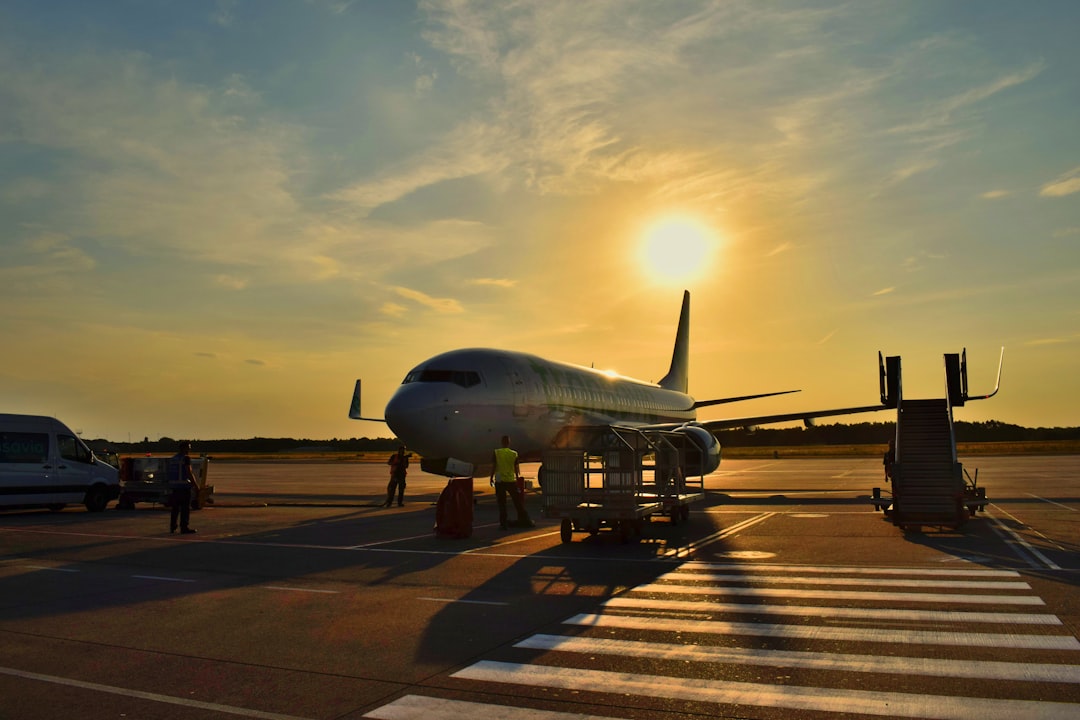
point(181, 485)
point(399, 468)
point(505, 472)
point(889, 459)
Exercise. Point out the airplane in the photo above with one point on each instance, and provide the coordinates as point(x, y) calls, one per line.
point(453, 408)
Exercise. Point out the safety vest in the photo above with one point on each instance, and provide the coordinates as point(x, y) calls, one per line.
point(504, 465)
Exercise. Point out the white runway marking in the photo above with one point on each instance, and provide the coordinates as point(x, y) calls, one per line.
point(297, 589)
point(764, 567)
point(719, 535)
point(419, 707)
point(947, 598)
point(858, 582)
point(795, 697)
point(1000, 528)
point(1052, 502)
point(464, 602)
point(835, 612)
point(933, 667)
point(153, 697)
point(53, 569)
point(832, 634)
point(160, 577)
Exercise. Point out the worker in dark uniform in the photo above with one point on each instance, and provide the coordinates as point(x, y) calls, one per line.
point(181, 484)
point(505, 472)
point(889, 459)
point(399, 468)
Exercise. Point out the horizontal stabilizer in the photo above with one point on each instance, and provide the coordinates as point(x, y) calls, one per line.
point(354, 407)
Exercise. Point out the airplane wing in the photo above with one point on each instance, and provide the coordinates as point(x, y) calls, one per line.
point(806, 417)
point(722, 401)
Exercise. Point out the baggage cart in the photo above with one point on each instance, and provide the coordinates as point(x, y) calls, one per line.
point(147, 479)
point(617, 477)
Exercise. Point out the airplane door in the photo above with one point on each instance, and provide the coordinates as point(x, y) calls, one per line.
point(519, 385)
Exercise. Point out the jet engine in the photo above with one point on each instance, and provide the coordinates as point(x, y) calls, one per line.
point(708, 459)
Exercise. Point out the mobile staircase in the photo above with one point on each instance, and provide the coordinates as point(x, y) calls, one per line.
point(929, 486)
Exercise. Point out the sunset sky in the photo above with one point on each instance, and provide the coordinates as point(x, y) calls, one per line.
point(215, 216)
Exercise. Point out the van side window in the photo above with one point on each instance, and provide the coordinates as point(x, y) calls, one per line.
point(72, 449)
point(21, 447)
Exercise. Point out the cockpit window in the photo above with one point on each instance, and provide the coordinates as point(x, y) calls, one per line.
point(464, 378)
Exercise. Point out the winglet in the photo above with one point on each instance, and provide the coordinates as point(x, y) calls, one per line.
point(354, 406)
point(679, 374)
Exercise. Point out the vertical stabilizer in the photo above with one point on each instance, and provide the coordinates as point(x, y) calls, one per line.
point(679, 373)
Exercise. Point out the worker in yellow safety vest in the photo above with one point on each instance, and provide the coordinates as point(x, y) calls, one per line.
point(504, 475)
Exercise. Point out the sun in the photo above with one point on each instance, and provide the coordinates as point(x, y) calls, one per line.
point(676, 249)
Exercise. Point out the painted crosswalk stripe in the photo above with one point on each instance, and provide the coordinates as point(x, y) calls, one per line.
point(850, 582)
point(899, 665)
point(832, 634)
point(419, 707)
point(692, 567)
point(890, 704)
point(884, 597)
point(884, 614)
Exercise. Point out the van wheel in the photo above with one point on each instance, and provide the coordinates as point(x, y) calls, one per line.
point(96, 498)
point(56, 507)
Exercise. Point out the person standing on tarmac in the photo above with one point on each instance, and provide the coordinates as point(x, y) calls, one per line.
point(399, 468)
point(181, 486)
point(505, 472)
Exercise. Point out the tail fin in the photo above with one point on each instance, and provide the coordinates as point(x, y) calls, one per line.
point(679, 374)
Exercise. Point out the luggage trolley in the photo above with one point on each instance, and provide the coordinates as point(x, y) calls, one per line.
point(596, 476)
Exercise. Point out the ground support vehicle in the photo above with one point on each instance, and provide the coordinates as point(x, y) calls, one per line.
point(44, 463)
point(147, 479)
point(929, 485)
point(619, 478)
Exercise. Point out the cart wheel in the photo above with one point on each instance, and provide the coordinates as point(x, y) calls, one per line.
point(685, 510)
point(675, 515)
point(625, 531)
point(566, 530)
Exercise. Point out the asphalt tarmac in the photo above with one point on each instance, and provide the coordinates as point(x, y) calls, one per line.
point(784, 595)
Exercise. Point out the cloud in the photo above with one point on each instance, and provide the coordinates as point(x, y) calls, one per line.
point(781, 248)
point(827, 338)
point(884, 291)
point(1067, 232)
point(258, 363)
point(995, 194)
point(230, 281)
point(442, 306)
point(494, 282)
point(1066, 184)
point(393, 309)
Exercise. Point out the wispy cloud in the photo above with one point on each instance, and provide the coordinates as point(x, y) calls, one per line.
point(827, 338)
point(884, 291)
point(995, 194)
point(439, 305)
point(494, 282)
point(1063, 185)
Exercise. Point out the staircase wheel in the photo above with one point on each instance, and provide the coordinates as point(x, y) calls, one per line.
point(566, 530)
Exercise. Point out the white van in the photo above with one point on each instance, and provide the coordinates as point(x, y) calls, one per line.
point(43, 463)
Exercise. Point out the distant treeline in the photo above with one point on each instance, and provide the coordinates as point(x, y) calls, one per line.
point(833, 434)
point(880, 432)
point(250, 445)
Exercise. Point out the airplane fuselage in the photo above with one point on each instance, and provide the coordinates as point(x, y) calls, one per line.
point(459, 404)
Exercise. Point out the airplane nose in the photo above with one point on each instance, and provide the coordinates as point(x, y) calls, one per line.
point(412, 414)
